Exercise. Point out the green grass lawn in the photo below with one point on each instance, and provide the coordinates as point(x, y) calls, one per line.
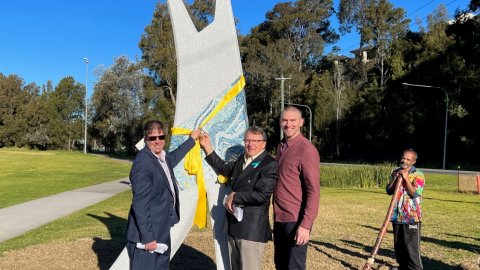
point(345, 231)
point(26, 175)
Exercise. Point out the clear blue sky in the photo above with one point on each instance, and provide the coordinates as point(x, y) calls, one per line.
point(47, 40)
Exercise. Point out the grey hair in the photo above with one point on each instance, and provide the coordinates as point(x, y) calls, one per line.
point(151, 126)
point(255, 130)
point(411, 151)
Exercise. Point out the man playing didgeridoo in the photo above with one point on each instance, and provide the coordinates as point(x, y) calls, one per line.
point(407, 214)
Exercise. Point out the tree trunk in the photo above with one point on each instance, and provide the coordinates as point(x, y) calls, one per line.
point(337, 133)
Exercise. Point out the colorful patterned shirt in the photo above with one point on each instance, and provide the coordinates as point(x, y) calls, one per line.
point(408, 209)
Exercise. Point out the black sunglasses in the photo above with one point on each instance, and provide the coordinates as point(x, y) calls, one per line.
point(154, 138)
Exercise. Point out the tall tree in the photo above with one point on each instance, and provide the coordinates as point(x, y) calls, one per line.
point(352, 13)
point(65, 112)
point(385, 26)
point(117, 103)
point(36, 120)
point(14, 95)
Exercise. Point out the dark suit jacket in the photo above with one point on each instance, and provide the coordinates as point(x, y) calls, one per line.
point(153, 213)
point(253, 188)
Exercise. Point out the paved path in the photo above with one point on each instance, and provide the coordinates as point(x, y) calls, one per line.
point(20, 218)
point(435, 171)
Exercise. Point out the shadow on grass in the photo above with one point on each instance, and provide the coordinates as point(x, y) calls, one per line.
point(108, 250)
point(318, 244)
point(189, 258)
point(461, 236)
point(427, 262)
point(449, 244)
point(452, 201)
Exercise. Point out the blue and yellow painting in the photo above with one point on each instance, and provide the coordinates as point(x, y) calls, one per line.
point(226, 131)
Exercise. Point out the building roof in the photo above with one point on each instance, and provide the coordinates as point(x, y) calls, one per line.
point(366, 48)
point(340, 58)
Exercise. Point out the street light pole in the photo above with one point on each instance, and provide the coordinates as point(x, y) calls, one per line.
point(446, 117)
point(311, 116)
point(282, 102)
point(86, 94)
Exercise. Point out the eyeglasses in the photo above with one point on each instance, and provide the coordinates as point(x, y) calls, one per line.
point(154, 138)
point(252, 141)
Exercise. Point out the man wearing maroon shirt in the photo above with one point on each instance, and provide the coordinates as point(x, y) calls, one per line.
point(297, 193)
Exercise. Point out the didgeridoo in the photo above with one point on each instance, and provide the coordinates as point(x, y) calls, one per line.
point(383, 230)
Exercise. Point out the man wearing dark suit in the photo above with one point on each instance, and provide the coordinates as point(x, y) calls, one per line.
point(253, 177)
point(155, 204)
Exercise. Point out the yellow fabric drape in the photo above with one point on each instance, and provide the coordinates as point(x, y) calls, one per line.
point(193, 159)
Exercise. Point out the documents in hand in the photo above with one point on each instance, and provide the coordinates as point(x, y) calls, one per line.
point(237, 211)
point(161, 248)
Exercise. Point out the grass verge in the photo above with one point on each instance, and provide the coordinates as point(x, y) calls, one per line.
point(343, 235)
point(30, 174)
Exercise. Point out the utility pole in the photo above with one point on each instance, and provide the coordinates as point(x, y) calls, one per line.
point(86, 101)
point(282, 102)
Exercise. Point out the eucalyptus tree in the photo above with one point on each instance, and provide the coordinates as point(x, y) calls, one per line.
point(385, 28)
point(117, 103)
point(290, 42)
point(352, 14)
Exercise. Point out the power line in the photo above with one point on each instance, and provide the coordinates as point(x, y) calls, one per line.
point(420, 8)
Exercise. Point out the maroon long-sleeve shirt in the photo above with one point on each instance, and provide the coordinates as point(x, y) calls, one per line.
point(297, 193)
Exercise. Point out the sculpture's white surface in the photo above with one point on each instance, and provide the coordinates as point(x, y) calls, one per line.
point(208, 66)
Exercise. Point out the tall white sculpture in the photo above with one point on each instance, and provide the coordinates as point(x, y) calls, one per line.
point(209, 67)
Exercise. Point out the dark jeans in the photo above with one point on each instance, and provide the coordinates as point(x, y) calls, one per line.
point(287, 254)
point(407, 245)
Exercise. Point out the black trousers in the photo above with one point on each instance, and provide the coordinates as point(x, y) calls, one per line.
point(287, 254)
point(407, 245)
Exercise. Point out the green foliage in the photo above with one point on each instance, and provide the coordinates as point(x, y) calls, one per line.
point(29, 174)
point(65, 110)
point(117, 103)
point(356, 176)
point(14, 97)
point(351, 13)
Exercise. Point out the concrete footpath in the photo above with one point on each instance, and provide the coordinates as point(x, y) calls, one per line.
point(20, 218)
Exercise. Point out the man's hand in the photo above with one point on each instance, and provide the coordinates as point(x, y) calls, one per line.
point(302, 236)
point(404, 174)
point(151, 246)
point(195, 134)
point(229, 202)
point(205, 143)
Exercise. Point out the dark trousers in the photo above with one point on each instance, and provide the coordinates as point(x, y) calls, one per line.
point(141, 259)
point(407, 245)
point(287, 254)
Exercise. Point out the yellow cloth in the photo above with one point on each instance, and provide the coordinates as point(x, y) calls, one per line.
point(193, 159)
